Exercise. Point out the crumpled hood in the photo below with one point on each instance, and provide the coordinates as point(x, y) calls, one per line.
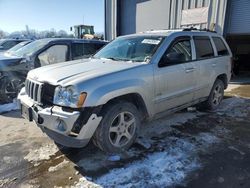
point(8, 61)
point(73, 72)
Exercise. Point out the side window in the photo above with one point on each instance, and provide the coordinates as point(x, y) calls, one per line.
point(83, 50)
point(90, 49)
point(203, 48)
point(99, 45)
point(54, 54)
point(220, 46)
point(179, 52)
point(9, 44)
point(77, 50)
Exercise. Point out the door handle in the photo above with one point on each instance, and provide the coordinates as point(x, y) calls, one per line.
point(214, 65)
point(189, 70)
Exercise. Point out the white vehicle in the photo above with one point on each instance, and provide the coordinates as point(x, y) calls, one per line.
point(133, 78)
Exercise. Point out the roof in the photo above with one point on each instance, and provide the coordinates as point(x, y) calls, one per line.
point(72, 40)
point(11, 39)
point(168, 32)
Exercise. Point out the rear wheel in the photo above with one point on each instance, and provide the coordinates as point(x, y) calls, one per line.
point(118, 128)
point(216, 95)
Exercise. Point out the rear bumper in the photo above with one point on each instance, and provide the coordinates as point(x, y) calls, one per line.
point(58, 124)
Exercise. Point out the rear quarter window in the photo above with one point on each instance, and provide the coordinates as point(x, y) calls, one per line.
point(203, 48)
point(220, 46)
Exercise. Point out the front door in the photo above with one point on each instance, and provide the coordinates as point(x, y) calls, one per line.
point(175, 76)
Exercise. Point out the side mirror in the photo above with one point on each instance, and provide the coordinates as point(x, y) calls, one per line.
point(171, 58)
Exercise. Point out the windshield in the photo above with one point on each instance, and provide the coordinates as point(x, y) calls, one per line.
point(18, 46)
point(135, 49)
point(31, 48)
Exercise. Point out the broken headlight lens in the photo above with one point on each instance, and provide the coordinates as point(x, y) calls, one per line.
point(69, 97)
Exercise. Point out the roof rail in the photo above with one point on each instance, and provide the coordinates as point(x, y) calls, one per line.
point(195, 29)
point(161, 30)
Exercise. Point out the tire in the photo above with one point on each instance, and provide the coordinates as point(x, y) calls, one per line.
point(215, 96)
point(9, 88)
point(118, 128)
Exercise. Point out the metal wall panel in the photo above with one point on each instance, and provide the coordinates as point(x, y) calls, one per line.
point(161, 14)
point(149, 15)
point(239, 17)
point(140, 15)
point(110, 19)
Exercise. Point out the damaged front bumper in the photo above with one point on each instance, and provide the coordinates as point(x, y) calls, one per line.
point(58, 123)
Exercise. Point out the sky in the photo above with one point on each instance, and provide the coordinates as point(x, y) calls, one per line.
point(46, 14)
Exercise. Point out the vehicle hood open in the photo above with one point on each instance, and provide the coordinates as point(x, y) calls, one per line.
point(72, 72)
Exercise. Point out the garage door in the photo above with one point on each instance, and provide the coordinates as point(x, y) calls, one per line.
point(239, 17)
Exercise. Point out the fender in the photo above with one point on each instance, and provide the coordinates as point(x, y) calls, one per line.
point(105, 93)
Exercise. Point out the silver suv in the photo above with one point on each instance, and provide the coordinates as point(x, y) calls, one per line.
point(134, 78)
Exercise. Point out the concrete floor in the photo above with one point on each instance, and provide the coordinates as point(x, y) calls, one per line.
point(196, 149)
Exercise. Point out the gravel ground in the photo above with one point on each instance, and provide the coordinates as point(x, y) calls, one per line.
point(186, 149)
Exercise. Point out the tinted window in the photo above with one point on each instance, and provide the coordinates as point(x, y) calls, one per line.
point(81, 50)
point(89, 49)
point(203, 47)
point(179, 52)
point(9, 44)
point(220, 46)
point(183, 47)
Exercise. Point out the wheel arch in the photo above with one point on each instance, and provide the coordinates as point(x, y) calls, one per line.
point(134, 98)
point(224, 79)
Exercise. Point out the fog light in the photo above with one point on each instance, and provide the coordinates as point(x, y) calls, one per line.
point(61, 126)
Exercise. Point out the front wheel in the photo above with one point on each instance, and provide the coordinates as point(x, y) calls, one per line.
point(215, 96)
point(118, 128)
point(9, 88)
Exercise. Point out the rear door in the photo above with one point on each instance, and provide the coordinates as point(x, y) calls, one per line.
point(223, 56)
point(175, 81)
point(206, 64)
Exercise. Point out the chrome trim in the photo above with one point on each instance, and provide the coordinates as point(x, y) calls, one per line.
point(33, 90)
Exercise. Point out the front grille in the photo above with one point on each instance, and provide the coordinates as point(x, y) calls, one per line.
point(42, 93)
point(48, 92)
point(33, 89)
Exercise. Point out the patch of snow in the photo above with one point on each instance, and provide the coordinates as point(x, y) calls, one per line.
point(4, 182)
point(183, 117)
point(43, 153)
point(229, 103)
point(114, 158)
point(58, 167)
point(236, 149)
point(84, 182)
point(9, 107)
point(160, 169)
point(207, 138)
point(233, 107)
point(143, 142)
point(164, 124)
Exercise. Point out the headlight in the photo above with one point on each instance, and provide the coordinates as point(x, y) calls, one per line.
point(69, 97)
